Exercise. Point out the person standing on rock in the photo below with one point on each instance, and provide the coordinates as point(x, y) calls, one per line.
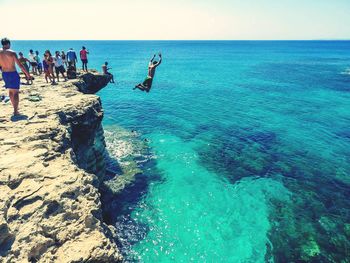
point(47, 70)
point(83, 57)
point(49, 62)
point(59, 66)
point(72, 58)
point(64, 58)
point(40, 65)
point(33, 62)
point(23, 61)
point(8, 61)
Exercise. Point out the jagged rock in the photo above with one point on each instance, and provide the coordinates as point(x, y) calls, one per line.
point(50, 167)
point(4, 231)
point(91, 83)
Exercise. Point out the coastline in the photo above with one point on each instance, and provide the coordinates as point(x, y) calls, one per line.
point(51, 167)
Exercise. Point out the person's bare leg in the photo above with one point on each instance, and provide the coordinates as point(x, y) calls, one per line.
point(147, 89)
point(52, 75)
point(64, 76)
point(16, 102)
point(14, 97)
point(138, 86)
point(11, 96)
point(141, 87)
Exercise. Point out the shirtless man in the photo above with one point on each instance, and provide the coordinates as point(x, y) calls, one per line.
point(8, 59)
point(105, 71)
point(147, 83)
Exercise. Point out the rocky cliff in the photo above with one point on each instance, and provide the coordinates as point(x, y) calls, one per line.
point(51, 165)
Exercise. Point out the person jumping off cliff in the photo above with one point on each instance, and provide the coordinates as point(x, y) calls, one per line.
point(8, 59)
point(147, 83)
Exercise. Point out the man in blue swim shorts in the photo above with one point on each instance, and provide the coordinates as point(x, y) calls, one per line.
point(8, 61)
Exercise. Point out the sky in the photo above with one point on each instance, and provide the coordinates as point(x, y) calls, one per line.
point(174, 20)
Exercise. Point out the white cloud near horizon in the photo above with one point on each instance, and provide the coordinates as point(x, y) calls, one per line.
point(191, 19)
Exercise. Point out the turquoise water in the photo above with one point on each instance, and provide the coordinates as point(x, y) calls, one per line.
point(249, 146)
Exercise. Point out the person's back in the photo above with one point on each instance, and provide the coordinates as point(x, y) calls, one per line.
point(7, 60)
point(83, 54)
point(151, 70)
point(104, 69)
point(71, 55)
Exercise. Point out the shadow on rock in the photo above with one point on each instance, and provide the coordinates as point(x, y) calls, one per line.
point(19, 117)
point(5, 247)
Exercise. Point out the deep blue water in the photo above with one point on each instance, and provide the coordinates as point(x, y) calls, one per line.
point(251, 147)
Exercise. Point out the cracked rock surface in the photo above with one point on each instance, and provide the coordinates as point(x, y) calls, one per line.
point(51, 161)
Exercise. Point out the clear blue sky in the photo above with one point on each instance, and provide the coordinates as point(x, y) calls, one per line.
point(177, 19)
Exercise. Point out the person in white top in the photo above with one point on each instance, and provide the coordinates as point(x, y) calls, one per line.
point(59, 66)
point(33, 62)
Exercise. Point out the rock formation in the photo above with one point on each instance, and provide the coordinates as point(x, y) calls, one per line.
point(51, 166)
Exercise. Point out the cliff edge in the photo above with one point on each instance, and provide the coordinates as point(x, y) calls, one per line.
point(51, 165)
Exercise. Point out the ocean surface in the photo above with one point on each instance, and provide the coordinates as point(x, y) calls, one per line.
point(249, 148)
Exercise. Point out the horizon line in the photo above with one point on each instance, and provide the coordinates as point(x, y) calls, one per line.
point(320, 39)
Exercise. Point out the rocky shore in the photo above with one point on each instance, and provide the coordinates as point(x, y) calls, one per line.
point(51, 166)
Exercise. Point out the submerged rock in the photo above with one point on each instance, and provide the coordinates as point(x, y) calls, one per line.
point(310, 250)
point(124, 150)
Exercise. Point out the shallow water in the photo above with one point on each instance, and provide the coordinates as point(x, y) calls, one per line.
point(250, 149)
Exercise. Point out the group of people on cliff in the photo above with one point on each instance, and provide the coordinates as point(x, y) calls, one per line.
point(53, 65)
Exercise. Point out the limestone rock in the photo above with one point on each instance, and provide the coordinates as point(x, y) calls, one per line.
point(90, 83)
point(50, 167)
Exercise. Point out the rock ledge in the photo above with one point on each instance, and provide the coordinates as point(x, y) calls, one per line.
point(51, 165)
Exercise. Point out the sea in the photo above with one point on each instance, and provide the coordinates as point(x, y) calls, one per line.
point(248, 148)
